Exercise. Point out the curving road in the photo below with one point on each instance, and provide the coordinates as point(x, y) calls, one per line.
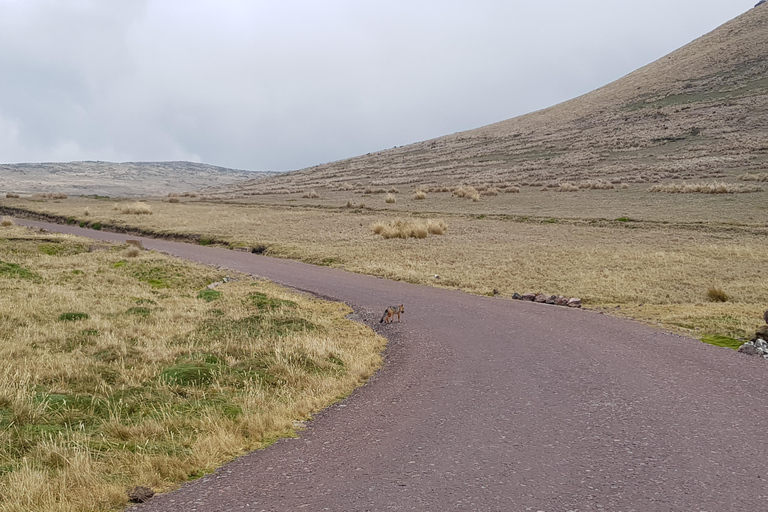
point(489, 404)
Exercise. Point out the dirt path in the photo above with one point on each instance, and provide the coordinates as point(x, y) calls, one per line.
point(489, 404)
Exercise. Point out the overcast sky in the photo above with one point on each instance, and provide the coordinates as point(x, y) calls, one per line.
point(283, 84)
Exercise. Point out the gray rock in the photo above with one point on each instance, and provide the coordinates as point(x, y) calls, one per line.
point(243, 249)
point(541, 298)
point(551, 299)
point(517, 296)
point(528, 296)
point(761, 344)
point(748, 348)
point(561, 301)
point(574, 302)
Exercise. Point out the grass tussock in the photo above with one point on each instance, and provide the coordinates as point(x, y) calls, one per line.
point(567, 187)
point(11, 195)
point(467, 192)
point(390, 199)
point(310, 195)
point(419, 195)
point(409, 228)
point(762, 177)
point(6, 222)
point(137, 208)
point(715, 187)
point(715, 294)
point(50, 195)
point(118, 373)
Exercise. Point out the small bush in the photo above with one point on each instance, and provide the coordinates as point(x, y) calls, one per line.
point(512, 190)
point(715, 294)
point(6, 222)
point(136, 209)
point(419, 195)
point(10, 195)
point(96, 226)
point(72, 317)
point(311, 195)
point(567, 187)
point(173, 199)
point(390, 199)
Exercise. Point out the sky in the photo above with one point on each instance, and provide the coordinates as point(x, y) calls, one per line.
point(287, 84)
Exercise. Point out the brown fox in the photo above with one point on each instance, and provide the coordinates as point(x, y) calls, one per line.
point(390, 312)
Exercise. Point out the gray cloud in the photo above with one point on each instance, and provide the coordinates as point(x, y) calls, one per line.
point(284, 85)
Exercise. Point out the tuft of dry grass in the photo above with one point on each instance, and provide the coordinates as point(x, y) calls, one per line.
point(131, 252)
point(715, 187)
point(173, 200)
point(409, 228)
point(50, 195)
point(158, 382)
point(467, 192)
point(419, 195)
point(10, 195)
point(390, 199)
point(715, 294)
point(310, 195)
point(137, 208)
point(6, 222)
point(754, 177)
point(567, 187)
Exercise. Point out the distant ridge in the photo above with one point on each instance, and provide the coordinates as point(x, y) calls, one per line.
point(699, 112)
point(112, 179)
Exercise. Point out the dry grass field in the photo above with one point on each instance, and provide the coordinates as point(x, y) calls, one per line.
point(646, 255)
point(119, 368)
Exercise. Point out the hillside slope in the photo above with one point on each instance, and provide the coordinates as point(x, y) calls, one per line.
point(117, 179)
point(699, 112)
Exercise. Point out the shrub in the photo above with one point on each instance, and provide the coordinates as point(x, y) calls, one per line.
point(390, 199)
point(311, 195)
point(512, 190)
point(96, 226)
point(173, 199)
point(567, 187)
point(6, 222)
point(87, 212)
point(420, 194)
point(136, 209)
point(715, 294)
point(72, 317)
point(10, 195)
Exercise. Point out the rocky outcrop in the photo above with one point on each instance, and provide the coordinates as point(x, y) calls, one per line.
point(757, 346)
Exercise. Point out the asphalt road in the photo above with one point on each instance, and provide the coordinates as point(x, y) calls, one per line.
point(491, 404)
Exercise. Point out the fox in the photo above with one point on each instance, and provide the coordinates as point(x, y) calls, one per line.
point(390, 312)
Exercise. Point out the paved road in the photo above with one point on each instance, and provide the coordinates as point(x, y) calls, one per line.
point(489, 404)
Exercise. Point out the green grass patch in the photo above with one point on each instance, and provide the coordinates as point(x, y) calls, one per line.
point(198, 373)
point(12, 270)
point(722, 341)
point(96, 226)
point(209, 295)
point(623, 219)
point(138, 311)
point(262, 301)
point(73, 317)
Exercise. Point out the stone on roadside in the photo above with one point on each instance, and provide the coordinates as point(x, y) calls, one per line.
point(541, 298)
point(517, 296)
point(761, 332)
point(574, 302)
point(748, 348)
point(528, 296)
point(561, 301)
point(551, 299)
point(140, 494)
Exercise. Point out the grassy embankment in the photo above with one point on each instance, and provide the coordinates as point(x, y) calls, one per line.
point(120, 368)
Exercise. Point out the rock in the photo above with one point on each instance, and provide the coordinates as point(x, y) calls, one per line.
point(551, 299)
point(765, 316)
point(529, 297)
point(761, 344)
point(136, 243)
point(561, 301)
point(541, 298)
point(574, 302)
point(761, 332)
point(495, 291)
point(140, 494)
point(748, 348)
point(243, 249)
point(517, 296)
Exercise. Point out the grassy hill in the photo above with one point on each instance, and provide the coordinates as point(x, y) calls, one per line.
point(117, 179)
point(698, 113)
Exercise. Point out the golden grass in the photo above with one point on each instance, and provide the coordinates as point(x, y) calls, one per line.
point(390, 199)
point(6, 222)
point(409, 228)
point(715, 187)
point(310, 195)
point(163, 380)
point(659, 259)
point(137, 208)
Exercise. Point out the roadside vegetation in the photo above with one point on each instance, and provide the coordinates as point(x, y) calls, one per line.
point(119, 370)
